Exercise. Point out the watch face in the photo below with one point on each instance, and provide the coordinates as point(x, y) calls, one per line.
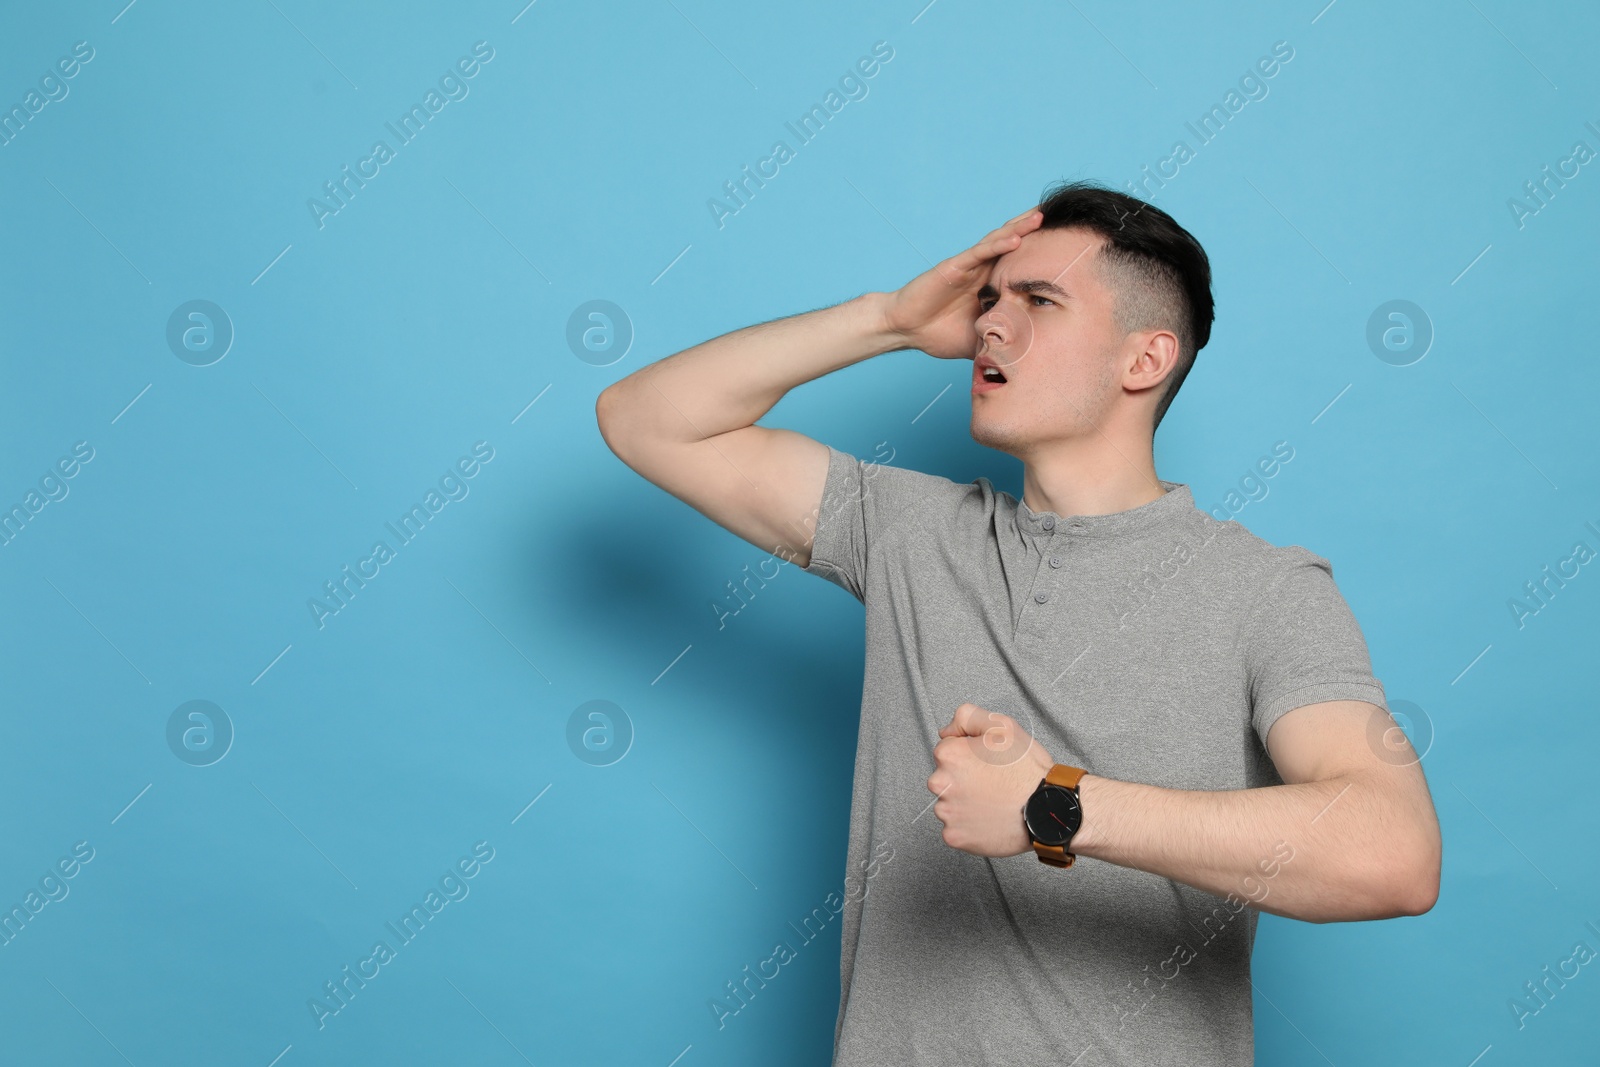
point(1053, 815)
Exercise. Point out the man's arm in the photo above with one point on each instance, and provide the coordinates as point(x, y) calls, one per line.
point(687, 422)
point(1361, 826)
point(1351, 834)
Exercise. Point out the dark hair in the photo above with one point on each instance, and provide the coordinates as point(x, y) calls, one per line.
point(1159, 272)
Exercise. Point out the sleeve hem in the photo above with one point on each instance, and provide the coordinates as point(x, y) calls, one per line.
point(1270, 711)
point(821, 554)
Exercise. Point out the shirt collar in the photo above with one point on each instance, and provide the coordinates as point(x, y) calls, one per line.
point(1168, 508)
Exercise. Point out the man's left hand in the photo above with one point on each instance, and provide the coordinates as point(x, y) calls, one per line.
point(986, 768)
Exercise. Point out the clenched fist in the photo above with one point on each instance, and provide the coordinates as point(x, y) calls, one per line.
point(986, 768)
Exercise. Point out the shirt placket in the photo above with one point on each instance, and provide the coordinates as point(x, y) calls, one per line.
point(1043, 602)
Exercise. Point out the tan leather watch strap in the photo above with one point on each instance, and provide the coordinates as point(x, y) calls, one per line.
point(1068, 778)
point(1054, 855)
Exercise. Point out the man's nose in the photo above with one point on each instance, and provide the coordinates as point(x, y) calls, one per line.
point(994, 326)
point(1003, 332)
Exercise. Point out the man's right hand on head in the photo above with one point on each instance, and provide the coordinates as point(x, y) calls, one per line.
point(935, 311)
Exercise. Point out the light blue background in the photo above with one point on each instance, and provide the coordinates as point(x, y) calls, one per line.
point(426, 315)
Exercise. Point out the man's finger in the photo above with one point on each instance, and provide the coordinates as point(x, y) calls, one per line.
point(1024, 222)
point(998, 241)
point(1016, 227)
point(1031, 211)
point(969, 721)
point(953, 727)
point(1006, 239)
point(986, 250)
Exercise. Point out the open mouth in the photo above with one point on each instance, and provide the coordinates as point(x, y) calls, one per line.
point(986, 379)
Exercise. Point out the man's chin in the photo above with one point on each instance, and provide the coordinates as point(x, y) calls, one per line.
point(992, 436)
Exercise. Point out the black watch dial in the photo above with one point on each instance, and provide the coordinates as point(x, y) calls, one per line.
point(1053, 815)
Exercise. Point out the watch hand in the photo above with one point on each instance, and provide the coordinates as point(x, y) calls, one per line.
point(1057, 818)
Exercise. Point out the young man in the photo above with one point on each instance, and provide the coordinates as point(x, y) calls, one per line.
point(1099, 670)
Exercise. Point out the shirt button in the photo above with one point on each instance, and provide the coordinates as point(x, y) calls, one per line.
point(1049, 522)
point(1041, 597)
point(1055, 561)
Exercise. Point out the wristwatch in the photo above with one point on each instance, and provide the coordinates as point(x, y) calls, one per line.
point(1053, 814)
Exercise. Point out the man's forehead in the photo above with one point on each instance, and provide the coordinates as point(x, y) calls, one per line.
point(1063, 256)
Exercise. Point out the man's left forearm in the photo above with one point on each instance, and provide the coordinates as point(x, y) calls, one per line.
point(1361, 850)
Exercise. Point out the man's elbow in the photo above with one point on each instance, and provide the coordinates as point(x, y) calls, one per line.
point(1412, 884)
point(608, 418)
point(1391, 883)
point(1421, 888)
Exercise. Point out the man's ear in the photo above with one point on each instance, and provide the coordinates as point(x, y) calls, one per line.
point(1155, 355)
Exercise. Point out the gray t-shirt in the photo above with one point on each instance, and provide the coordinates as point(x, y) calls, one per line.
point(1153, 645)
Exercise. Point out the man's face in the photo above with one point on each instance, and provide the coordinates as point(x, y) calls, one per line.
point(1048, 321)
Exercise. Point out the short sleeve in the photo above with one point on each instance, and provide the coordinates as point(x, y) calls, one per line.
point(866, 510)
point(1301, 644)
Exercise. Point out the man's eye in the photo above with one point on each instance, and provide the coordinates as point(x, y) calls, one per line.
point(1036, 296)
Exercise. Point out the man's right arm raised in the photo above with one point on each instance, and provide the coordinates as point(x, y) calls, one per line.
point(687, 422)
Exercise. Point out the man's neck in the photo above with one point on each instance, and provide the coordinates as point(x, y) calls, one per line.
point(1101, 481)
